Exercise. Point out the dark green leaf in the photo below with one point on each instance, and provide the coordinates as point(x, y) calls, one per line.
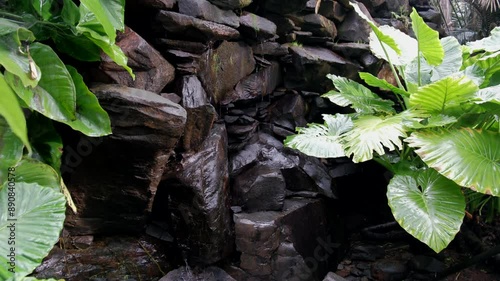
point(11, 149)
point(45, 140)
point(16, 62)
point(33, 171)
point(109, 13)
point(70, 12)
point(55, 95)
point(43, 8)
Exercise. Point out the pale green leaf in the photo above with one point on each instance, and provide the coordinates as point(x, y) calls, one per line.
point(407, 45)
point(39, 214)
point(452, 59)
point(488, 44)
point(489, 94)
point(427, 40)
point(381, 83)
point(321, 141)
point(434, 120)
point(7, 26)
point(428, 206)
point(12, 112)
point(469, 157)
point(374, 134)
point(360, 98)
point(33, 171)
point(55, 95)
point(444, 96)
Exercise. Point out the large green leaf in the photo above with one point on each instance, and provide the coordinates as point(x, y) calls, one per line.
point(7, 26)
point(357, 96)
point(488, 44)
point(46, 141)
point(43, 8)
point(444, 96)
point(452, 59)
point(407, 45)
point(469, 157)
point(70, 13)
point(12, 112)
point(94, 31)
point(427, 40)
point(39, 214)
point(490, 65)
point(16, 62)
point(428, 206)
point(489, 94)
point(33, 171)
point(381, 83)
point(91, 119)
point(55, 95)
point(109, 13)
point(11, 149)
point(321, 141)
point(434, 120)
point(382, 38)
point(77, 45)
point(374, 133)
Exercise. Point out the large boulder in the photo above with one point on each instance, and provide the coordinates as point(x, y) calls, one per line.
point(197, 191)
point(205, 10)
point(113, 179)
point(152, 71)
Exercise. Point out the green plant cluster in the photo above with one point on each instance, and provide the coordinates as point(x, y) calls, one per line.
point(444, 137)
point(37, 88)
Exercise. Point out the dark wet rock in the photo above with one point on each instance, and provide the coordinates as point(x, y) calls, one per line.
point(194, 29)
point(319, 26)
point(269, 49)
point(389, 270)
point(431, 16)
point(343, 169)
point(354, 28)
point(289, 109)
point(259, 188)
point(210, 273)
point(283, 24)
point(332, 10)
point(159, 4)
point(427, 264)
point(185, 63)
point(205, 10)
point(331, 276)
point(370, 62)
point(185, 46)
point(171, 97)
point(231, 4)
point(199, 123)
point(113, 179)
point(367, 252)
point(350, 50)
point(281, 245)
point(257, 84)
point(193, 94)
point(301, 172)
point(224, 67)
point(152, 71)
point(107, 258)
point(310, 65)
point(198, 200)
point(398, 6)
point(256, 27)
point(284, 7)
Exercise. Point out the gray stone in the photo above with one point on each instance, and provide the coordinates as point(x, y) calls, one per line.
point(257, 84)
point(186, 46)
point(152, 71)
point(398, 6)
point(221, 69)
point(431, 16)
point(159, 4)
point(283, 24)
point(256, 27)
point(114, 179)
point(194, 29)
point(270, 49)
point(193, 94)
point(205, 10)
point(319, 26)
point(210, 273)
point(389, 270)
point(198, 189)
point(354, 28)
point(350, 50)
point(259, 188)
point(199, 123)
point(285, 7)
point(331, 276)
point(427, 264)
point(231, 4)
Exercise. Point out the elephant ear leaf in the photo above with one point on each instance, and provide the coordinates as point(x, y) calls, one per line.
point(428, 206)
point(427, 40)
point(468, 157)
point(39, 216)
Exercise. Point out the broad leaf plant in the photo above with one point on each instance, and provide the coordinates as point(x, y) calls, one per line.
point(438, 137)
point(37, 88)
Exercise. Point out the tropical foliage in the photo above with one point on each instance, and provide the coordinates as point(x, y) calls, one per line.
point(445, 137)
point(36, 87)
